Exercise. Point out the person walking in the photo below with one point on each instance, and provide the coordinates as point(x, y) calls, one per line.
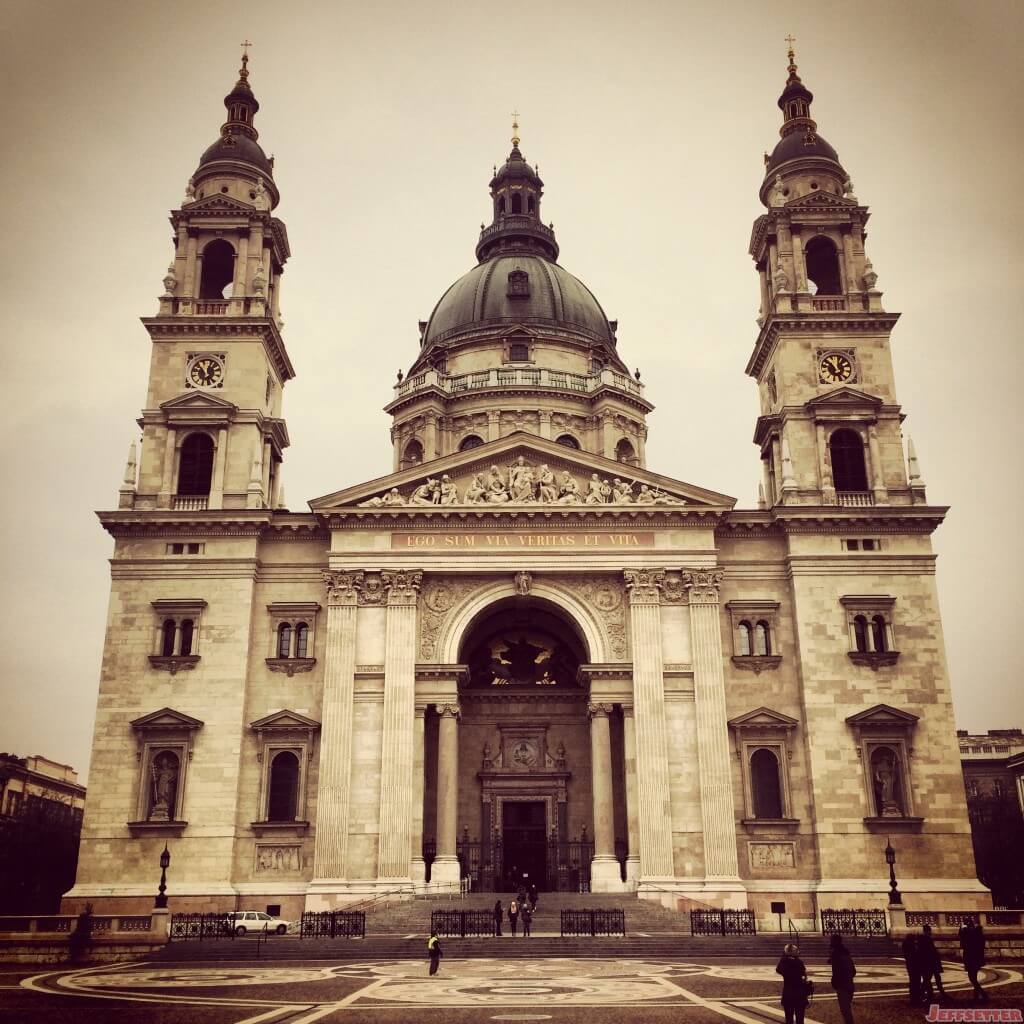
point(499, 913)
point(912, 959)
point(533, 897)
point(434, 951)
point(931, 965)
point(513, 915)
point(972, 947)
point(794, 984)
point(527, 916)
point(843, 972)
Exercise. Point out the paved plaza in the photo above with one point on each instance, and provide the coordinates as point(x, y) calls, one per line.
point(594, 991)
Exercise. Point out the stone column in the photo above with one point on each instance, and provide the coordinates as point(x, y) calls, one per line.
point(446, 864)
point(430, 449)
point(399, 712)
point(332, 799)
point(192, 266)
point(419, 867)
point(604, 872)
point(163, 499)
point(545, 423)
point(654, 806)
point(493, 426)
point(632, 796)
point(715, 768)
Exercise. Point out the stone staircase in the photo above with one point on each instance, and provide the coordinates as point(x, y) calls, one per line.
point(398, 931)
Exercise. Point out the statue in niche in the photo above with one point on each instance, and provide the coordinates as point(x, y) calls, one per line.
point(497, 493)
point(568, 491)
point(476, 492)
point(164, 772)
point(520, 481)
point(523, 580)
point(488, 760)
point(448, 493)
point(886, 784)
point(547, 493)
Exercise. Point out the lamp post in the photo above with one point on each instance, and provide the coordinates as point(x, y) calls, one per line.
point(895, 899)
point(161, 898)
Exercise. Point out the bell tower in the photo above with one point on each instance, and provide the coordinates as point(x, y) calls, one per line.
point(212, 432)
point(829, 430)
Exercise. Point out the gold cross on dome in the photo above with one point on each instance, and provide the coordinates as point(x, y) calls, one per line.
point(245, 44)
point(515, 127)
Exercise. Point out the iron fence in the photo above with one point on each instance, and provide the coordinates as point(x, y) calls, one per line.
point(858, 922)
point(332, 924)
point(593, 922)
point(462, 923)
point(185, 927)
point(722, 922)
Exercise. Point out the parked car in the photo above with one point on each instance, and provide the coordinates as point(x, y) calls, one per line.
point(243, 921)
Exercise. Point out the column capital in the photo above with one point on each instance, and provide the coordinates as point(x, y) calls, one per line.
point(627, 710)
point(448, 710)
point(703, 585)
point(599, 710)
point(402, 585)
point(342, 587)
point(644, 585)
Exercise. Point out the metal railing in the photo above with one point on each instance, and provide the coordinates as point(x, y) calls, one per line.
point(860, 922)
point(722, 922)
point(463, 923)
point(593, 922)
point(958, 918)
point(332, 924)
point(188, 927)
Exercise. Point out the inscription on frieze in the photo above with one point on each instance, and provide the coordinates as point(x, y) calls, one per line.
point(533, 540)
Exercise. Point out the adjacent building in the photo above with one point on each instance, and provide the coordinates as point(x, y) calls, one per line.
point(521, 651)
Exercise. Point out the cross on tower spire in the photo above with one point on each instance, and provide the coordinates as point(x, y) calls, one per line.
point(245, 44)
point(515, 128)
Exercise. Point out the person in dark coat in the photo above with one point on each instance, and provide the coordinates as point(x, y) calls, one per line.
point(533, 896)
point(794, 984)
point(513, 915)
point(843, 972)
point(972, 947)
point(931, 965)
point(527, 915)
point(434, 951)
point(912, 958)
point(499, 913)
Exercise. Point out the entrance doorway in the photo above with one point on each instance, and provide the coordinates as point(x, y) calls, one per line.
point(524, 843)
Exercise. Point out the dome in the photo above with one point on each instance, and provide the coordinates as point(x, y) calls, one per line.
point(793, 147)
point(515, 168)
point(239, 149)
point(480, 299)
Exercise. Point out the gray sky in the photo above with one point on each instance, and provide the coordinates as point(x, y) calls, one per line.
point(648, 120)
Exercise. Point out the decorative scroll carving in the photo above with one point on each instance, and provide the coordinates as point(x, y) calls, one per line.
point(703, 585)
point(439, 597)
point(644, 585)
point(599, 709)
point(402, 585)
point(342, 587)
point(604, 595)
point(448, 710)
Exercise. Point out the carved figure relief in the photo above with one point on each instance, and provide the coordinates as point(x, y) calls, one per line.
point(278, 859)
point(772, 855)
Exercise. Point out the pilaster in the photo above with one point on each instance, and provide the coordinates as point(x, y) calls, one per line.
point(419, 867)
point(446, 864)
point(632, 795)
point(604, 872)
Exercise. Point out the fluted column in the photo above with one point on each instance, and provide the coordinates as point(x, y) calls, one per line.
point(604, 872)
point(712, 728)
point(332, 799)
point(419, 867)
point(393, 861)
point(446, 864)
point(632, 795)
point(654, 806)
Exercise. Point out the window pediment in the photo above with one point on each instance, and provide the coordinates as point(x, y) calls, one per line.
point(166, 719)
point(285, 721)
point(882, 717)
point(762, 719)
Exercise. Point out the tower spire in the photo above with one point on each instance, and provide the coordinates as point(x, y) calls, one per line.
point(515, 129)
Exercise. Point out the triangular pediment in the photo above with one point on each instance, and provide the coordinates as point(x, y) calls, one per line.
point(219, 203)
point(882, 715)
point(165, 718)
point(820, 198)
point(555, 476)
point(845, 396)
point(284, 720)
point(198, 400)
point(763, 718)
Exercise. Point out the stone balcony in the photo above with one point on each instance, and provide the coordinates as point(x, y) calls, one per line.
point(518, 377)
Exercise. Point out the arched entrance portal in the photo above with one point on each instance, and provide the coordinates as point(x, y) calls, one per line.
point(525, 796)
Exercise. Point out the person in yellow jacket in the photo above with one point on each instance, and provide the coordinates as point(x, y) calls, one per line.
point(434, 951)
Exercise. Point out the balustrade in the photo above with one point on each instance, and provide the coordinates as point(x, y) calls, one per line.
point(190, 502)
point(855, 499)
point(519, 376)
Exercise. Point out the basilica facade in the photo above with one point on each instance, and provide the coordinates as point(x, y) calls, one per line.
point(520, 653)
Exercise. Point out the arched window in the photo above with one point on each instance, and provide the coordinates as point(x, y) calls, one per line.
point(283, 799)
point(762, 639)
point(187, 632)
point(823, 266)
point(470, 441)
point(569, 441)
point(301, 640)
point(743, 645)
point(878, 633)
point(764, 784)
point(531, 204)
point(624, 451)
point(501, 205)
point(860, 633)
point(167, 639)
point(195, 464)
point(517, 203)
point(218, 270)
point(846, 450)
point(284, 640)
point(413, 455)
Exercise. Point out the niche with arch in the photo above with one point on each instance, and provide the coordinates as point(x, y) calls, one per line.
point(285, 742)
point(763, 744)
point(823, 271)
point(849, 467)
point(195, 465)
point(218, 270)
point(412, 454)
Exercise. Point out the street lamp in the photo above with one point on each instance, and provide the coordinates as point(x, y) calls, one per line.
point(161, 898)
point(895, 899)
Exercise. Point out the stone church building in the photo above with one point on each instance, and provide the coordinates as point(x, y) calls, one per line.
point(520, 652)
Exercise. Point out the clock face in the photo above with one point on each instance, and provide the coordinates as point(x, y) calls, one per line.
point(206, 372)
point(835, 368)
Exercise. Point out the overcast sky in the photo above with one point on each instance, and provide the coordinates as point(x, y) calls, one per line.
point(648, 120)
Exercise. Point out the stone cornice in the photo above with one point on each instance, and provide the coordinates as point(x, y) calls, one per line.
point(259, 328)
point(165, 523)
point(801, 323)
point(885, 519)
